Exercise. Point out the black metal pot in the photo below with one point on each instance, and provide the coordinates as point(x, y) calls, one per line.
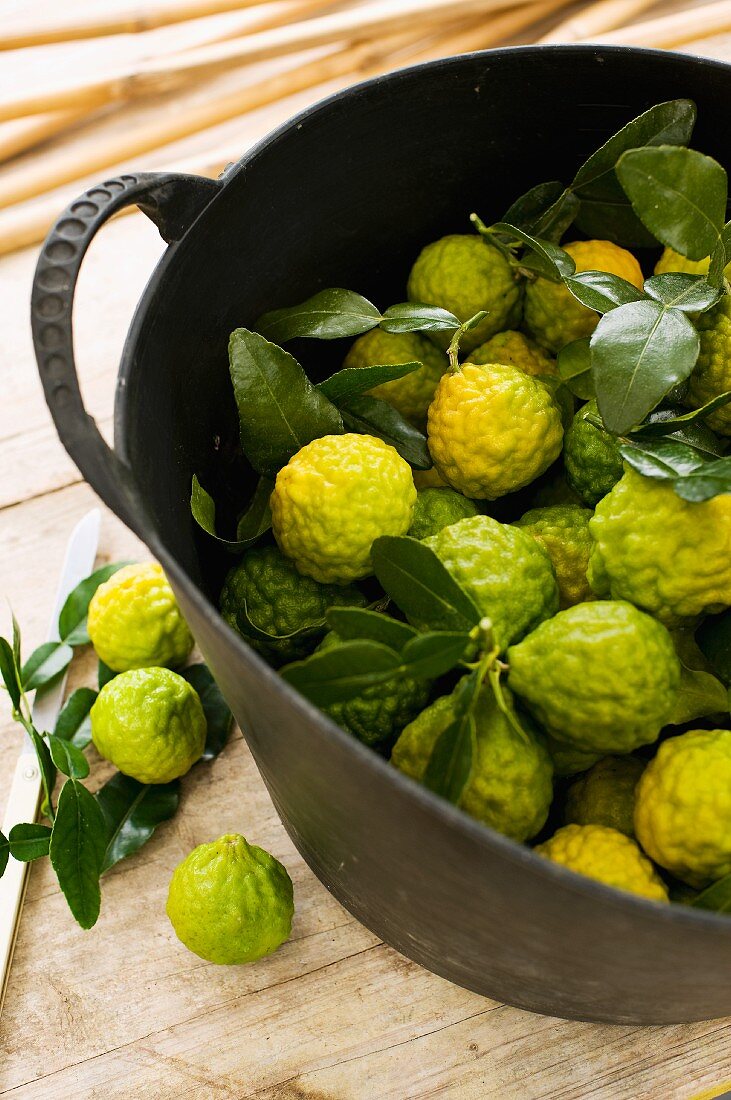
point(345, 195)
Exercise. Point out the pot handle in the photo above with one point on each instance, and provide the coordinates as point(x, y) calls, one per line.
point(172, 201)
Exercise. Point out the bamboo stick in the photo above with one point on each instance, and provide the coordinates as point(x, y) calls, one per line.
point(676, 29)
point(380, 17)
point(24, 133)
point(596, 18)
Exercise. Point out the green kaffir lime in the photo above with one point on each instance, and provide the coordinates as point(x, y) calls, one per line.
point(591, 457)
point(438, 508)
point(605, 795)
point(563, 532)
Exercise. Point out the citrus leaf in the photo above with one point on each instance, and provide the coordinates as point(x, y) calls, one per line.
point(430, 655)
point(72, 619)
point(258, 516)
point(700, 695)
point(663, 458)
point(4, 853)
point(328, 315)
point(352, 381)
point(574, 367)
point(720, 257)
point(10, 672)
point(131, 813)
point(638, 352)
point(335, 675)
point(371, 416)
point(711, 479)
point(217, 711)
point(78, 843)
point(356, 622)
point(418, 317)
point(415, 579)
point(279, 408)
point(668, 424)
point(605, 211)
point(46, 765)
point(679, 194)
point(551, 261)
point(716, 897)
point(601, 291)
point(691, 293)
point(16, 641)
point(68, 759)
point(45, 664)
point(546, 211)
point(450, 762)
point(29, 841)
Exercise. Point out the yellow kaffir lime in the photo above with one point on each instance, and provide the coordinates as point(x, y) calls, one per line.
point(510, 783)
point(492, 429)
point(333, 498)
point(712, 373)
point(429, 479)
point(683, 806)
point(438, 508)
point(465, 274)
point(673, 261)
point(605, 795)
point(516, 350)
point(666, 555)
point(563, 532)
point(412, 394)
point(601, 677)
point(135, 621)
point(553, 316)
point(149, 723)
point(606, 855)
point(230, 902)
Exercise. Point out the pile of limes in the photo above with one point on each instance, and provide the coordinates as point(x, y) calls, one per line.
point(584, 570)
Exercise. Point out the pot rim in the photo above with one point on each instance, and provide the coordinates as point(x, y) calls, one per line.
point(454, 819)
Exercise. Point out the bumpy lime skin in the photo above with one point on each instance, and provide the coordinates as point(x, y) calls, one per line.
point(673, 261)
point(438, 508)
point(149, 723)
point(712, 373)
point(607, 856)
point(280, 601)
point(563, 532)
point(568, 760)
point(465, 274)
point(683, 806)
point(605, 795)
point(591, 457)
point(515, 349)
point(230, 902)
point(492, 430)
point(602, 676)
point(334, 498)
point(380, 712)
point(505, 571)
point(510, 785)
point(664, 554)
point(553, 316)
point(135, 621)
point(412, 394)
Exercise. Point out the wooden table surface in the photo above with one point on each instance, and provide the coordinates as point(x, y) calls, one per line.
point(124, 1010)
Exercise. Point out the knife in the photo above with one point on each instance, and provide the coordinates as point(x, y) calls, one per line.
point(25, 791)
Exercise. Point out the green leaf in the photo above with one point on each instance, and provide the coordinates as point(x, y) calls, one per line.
point(46, 664)
point(605, 212)
point(663, 458)
point(326, 316)
point(550, 261)
point(335, 675)
point(601, 291)
point(669, 424)
point(78, 844)
point(104, 675)
point(638, 352)
point(4, 853)
point(546, 211)
point(16, 642)
point(691, 293)
point(72, 620)
point(574, 367)
point(418, 317)
point(352, 381)
point(254, 522)
point(371, 416)
point(217, 711)
point(29, 841)
point(10, 673)
point(415, 579)
point(358, 623)
point(67, 758)
point(679, 194)
point(716, 897)
point(720, 257)
point(131, 813)
point(700, 695)
point(428, 656)
point(706, 481)
point(279, 408)
point(46, 765)
point(450, 763)
point(73, 723)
